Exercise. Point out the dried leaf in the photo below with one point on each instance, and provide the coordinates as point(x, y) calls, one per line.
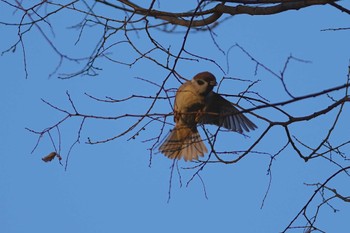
point(51, 156)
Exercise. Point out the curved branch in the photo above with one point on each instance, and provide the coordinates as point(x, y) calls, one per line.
point(283, 6)
point(314, 194)
point(216, 12)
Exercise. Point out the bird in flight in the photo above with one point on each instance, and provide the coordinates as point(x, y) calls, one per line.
point(197, 103)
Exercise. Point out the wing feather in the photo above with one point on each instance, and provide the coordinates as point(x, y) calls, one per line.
point(221, 112)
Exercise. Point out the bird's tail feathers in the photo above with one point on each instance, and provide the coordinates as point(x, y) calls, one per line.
point(183, 142)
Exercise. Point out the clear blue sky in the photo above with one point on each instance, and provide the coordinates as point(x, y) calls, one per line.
point(111, 188)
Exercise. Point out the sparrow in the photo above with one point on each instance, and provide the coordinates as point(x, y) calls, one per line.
point(197, 103)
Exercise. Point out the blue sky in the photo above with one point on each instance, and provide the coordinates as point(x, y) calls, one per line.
point(110, 187)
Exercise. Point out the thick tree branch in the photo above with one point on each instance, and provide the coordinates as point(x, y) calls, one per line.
point(216, 12)
point(269, 10)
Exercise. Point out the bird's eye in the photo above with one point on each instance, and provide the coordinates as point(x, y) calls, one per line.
point(200, 82)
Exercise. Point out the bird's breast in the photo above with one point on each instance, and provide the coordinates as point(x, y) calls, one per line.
point(188, 103)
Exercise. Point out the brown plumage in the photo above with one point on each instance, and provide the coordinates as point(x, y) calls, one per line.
point(196, 103)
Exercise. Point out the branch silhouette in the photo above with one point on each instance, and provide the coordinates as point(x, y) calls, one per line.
point(129, 33)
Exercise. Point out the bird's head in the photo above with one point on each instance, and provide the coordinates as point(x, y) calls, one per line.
point(204, 82)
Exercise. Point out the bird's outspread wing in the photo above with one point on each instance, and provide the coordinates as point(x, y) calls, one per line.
point(221, 112)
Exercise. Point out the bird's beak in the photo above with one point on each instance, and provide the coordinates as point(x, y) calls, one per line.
point(213, 83)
